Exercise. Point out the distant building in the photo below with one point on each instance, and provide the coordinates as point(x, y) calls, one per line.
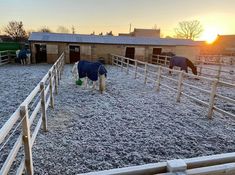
point(143, 33)
point(46, 47)
point(223, 45)
point(5, 38)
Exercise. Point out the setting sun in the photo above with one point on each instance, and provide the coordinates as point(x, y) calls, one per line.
point(210, 35)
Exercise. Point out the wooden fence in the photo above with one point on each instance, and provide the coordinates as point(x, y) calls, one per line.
point(221, 164)
point(124, 63)
point(216, 59)
point(218, 71)
point(40, 98)
point(7, 56)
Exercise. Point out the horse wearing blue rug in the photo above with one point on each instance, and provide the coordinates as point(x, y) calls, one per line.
point(91, 70)
point(183, 63)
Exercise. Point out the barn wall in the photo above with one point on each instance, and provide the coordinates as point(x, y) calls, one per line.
point(94, 51)
point(190, 52)
point(101, 50)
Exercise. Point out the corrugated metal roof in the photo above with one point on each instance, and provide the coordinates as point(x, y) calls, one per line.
point(97, 39)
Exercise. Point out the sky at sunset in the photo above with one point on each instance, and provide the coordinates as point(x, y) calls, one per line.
point(216, 16)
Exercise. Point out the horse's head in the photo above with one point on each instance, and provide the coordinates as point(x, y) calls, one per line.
point(192, 66)
point(194, 70)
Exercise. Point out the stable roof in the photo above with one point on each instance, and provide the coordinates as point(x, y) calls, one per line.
point(99, 39)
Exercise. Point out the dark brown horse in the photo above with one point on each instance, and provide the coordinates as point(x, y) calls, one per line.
point(183, 63)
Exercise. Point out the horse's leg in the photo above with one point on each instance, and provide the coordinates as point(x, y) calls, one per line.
point(171, 67)
point(102, 83)
point(94, 85)
point(85, 82)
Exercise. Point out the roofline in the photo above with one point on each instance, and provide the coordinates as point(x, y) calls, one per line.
point(107, 43)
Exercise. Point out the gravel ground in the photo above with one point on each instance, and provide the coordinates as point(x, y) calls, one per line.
point(130, 124)
point(16, 83)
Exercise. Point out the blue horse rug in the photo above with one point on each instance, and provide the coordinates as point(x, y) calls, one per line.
point(183, 63)
point(179, 61)
point(91, 70)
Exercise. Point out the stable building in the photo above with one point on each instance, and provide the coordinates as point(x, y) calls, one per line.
point(46, 47)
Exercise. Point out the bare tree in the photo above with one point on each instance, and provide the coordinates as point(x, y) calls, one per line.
point(62, 29)
point(189, 29)
point(15, 30)
point(45, 29)
point(109, 33)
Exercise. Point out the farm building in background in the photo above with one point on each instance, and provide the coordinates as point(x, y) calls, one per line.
point(46, 47)
point(223, 45)
point(143, 33)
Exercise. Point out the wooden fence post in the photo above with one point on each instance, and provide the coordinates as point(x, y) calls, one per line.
point(51, 90)
point(8, 56)
point(127, 68)
point(60, 70)
point(135, 69)
point(200, 70)
point(165, 60)
point(158, 59)
point(180, 83)
point(145, 73)
point(56, 82)
point(112, 59)
point(159, 77)
point(43, 106)
point(212, 98)
point(26, 139)
point(219, 72)
point(122, 63)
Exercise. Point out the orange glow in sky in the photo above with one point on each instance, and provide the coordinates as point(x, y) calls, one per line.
point(210, 34)
point(88, 16)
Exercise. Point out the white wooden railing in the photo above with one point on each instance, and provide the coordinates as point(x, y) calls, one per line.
point(6, 56)
point(37, 102)
point(146, 69)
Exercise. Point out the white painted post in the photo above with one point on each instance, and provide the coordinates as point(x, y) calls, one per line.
point(212, 98)
point(51, 90)
point(180, 83)
point(26, 139)
point(159, 77)
point(135, 69)
point(145, 73)
point(127, 68)
point(43, 106)
point(158, 59)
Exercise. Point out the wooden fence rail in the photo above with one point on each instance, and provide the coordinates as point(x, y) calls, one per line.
point(217, 72)
point(41, 97)
point(7, 56)
point(212, 94)
point(220, 164)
